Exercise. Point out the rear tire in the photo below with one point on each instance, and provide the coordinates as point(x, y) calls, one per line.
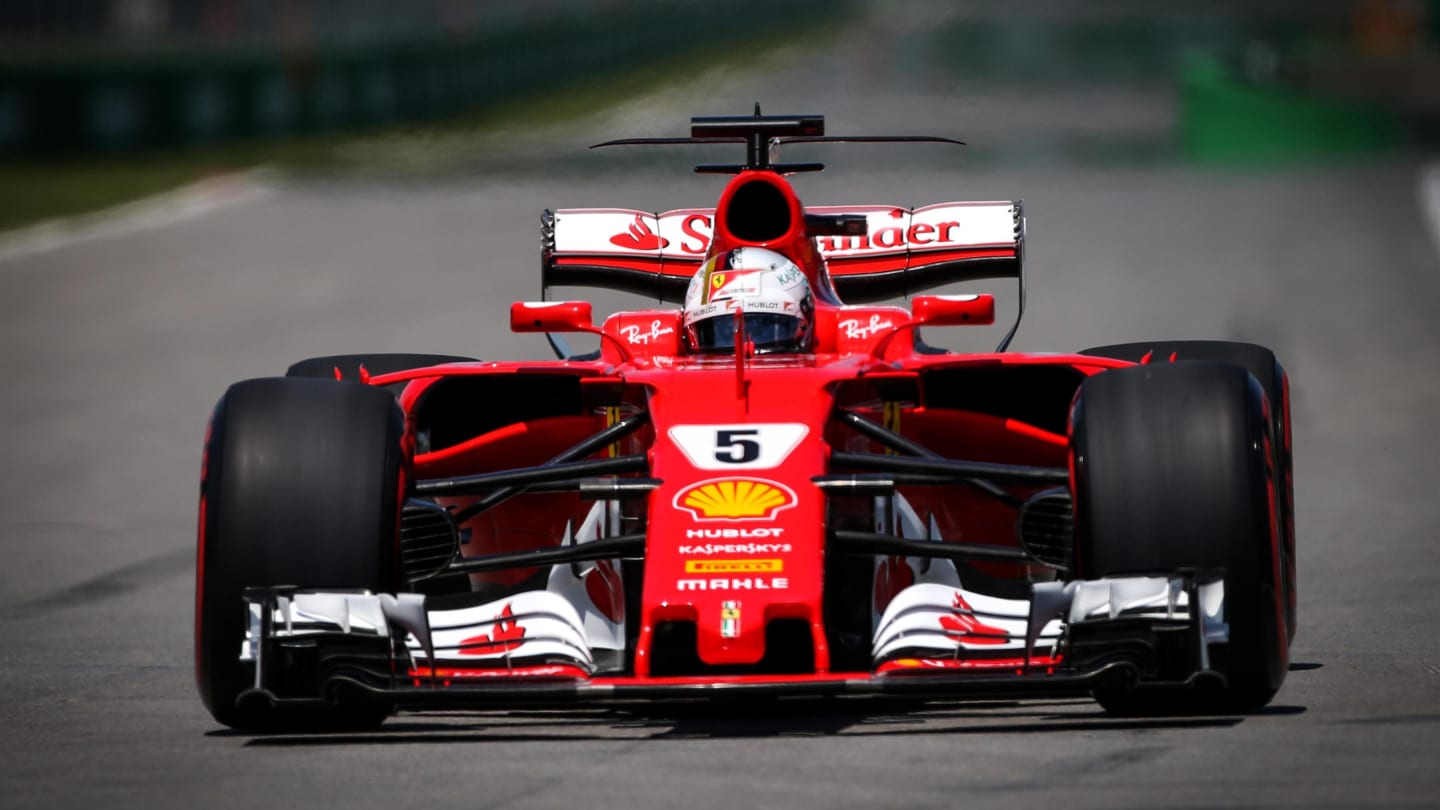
point(301, 486)
point(1170, 472)
point(1263, 365)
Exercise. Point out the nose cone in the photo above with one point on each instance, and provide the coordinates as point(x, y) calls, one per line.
point(736, 532)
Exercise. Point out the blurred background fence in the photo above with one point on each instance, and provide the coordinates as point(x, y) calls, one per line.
point(1253, 80)
point(119, 75)
point(149, 23)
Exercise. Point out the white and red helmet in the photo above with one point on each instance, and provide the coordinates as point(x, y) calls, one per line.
point(764, 285)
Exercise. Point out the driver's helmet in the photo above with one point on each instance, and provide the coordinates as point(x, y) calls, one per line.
point(767, 287)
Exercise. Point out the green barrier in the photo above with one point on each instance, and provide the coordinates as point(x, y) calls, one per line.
point(1224, 120)
point(1039, 50)
point(114, 103)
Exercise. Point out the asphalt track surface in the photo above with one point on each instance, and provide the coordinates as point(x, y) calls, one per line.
point(115, 349)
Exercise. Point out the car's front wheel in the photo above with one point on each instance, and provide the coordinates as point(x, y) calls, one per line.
point(1265, 367)
point(301, 485)
point(1173, 471)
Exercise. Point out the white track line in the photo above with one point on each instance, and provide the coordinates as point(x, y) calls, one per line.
point(159, 211)
point(1428, 191)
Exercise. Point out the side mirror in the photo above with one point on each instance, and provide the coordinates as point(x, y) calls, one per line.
point(953, 310)
point(551, 316)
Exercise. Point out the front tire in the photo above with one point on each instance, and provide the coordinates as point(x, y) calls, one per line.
point(1266, 368)
point(301, 486)
point(1171, 471)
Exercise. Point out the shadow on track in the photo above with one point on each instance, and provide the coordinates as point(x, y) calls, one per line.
point(721, 721)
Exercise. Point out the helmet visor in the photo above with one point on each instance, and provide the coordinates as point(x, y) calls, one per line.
point(769, 333)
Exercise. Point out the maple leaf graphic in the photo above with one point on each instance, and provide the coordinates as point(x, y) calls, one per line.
point(507, 635)
point(965, 627)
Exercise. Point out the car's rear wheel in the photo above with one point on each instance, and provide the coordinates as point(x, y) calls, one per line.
point(301, 486)
point(1266, 368)
point(1172, 471)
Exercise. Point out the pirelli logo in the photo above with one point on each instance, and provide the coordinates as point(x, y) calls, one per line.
point(734, 566)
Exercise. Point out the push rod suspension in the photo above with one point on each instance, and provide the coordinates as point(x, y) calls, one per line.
point(522, 476)
point(960, 471)
point(609, 548)
point(887, 544)
point(606, 437)
point(900, 444)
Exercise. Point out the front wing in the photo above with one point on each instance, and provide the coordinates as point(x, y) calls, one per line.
point(932, 642)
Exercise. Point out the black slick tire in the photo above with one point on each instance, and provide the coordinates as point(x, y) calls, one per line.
point(1267, 370)
point(1171, 472)
point(301, 485)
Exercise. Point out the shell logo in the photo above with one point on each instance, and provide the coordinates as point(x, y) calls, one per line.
point(735, 499)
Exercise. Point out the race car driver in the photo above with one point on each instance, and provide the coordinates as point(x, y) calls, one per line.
point(769, 289)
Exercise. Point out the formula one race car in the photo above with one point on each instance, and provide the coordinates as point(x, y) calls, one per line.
point(778, 490)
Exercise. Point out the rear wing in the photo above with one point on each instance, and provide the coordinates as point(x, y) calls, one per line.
point(904, 250)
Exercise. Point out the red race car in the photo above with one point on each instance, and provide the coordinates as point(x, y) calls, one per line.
point(776, 488)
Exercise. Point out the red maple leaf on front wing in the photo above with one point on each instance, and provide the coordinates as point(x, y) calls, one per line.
point(965, 627)
point(639, 237)
point(506, 636)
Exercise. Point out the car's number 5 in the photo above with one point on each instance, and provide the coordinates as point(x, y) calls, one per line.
point(739, 445)
point(736, 446)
